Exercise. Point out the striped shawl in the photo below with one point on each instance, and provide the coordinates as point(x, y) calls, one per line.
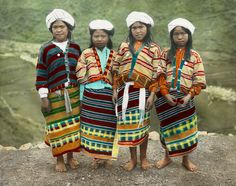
point(192, 74)
point(89, 69)
point(145, 70)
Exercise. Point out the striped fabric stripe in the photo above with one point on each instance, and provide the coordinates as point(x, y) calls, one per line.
point(89, 70)
point(133, 103)
point(63, 129)
point(51, 70)
point(98, 123)
point(130, 132)
point(145, 69)
point(178, 127)
point(192, 72)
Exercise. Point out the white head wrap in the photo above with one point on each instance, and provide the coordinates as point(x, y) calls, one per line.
point(59, 14)
point(101, 24)
point(139, 16)
point(181, 22)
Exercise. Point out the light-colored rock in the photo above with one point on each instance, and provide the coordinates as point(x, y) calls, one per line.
point(9, 148)
point(211, 134)
point(26, 146)
point(231, 135)
point(154, 136)
point(41, 145)
point(202, 133)
point(1, 147)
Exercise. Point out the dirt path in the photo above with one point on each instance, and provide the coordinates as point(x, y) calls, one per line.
point(215, 156)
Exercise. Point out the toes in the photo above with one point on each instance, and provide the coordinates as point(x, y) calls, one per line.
point(61, 168)
point(162, 163)
point(97, 162)
point(74, 164)
point(129, 166)
point(145, 165)
point(189, 166)
point(108, 164)
point(194, 169)
point(158, 165)
point(95, 166)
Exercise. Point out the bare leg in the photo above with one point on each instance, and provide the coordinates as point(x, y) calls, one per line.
point(130, 165)
point(60, 166)
point(145, 164)
point(164, 162)
point(97, 162)
point(108, 164)
point(73, 163)
point(188, 164)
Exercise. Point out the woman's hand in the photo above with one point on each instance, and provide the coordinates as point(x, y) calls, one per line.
point(171, 100)
point(150, 101)
point(183, 102)
point(45, 105)
point(114, 96)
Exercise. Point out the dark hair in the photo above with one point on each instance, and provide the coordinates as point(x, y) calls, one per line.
point(147, 40)
point(70, 28)
point(109, 33)
point(171, 53)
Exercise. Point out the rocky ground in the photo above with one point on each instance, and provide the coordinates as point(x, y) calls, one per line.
point(215, 157)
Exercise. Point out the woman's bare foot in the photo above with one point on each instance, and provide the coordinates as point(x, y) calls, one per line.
point(97, 162)
point(145, 164)
point(130, 165)
point(108, 164)
point(189, 165)
point(163, 163)
point(73, 163)
point(60, 166)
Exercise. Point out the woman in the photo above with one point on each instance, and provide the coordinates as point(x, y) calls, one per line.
point(58, 88)
point(182, 77)
point(135, 84)
point(98, 120)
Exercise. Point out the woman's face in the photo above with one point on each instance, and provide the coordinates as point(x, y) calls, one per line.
point(60, 31)
point(139, 31)
point(100, 39)
point(180, 37)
